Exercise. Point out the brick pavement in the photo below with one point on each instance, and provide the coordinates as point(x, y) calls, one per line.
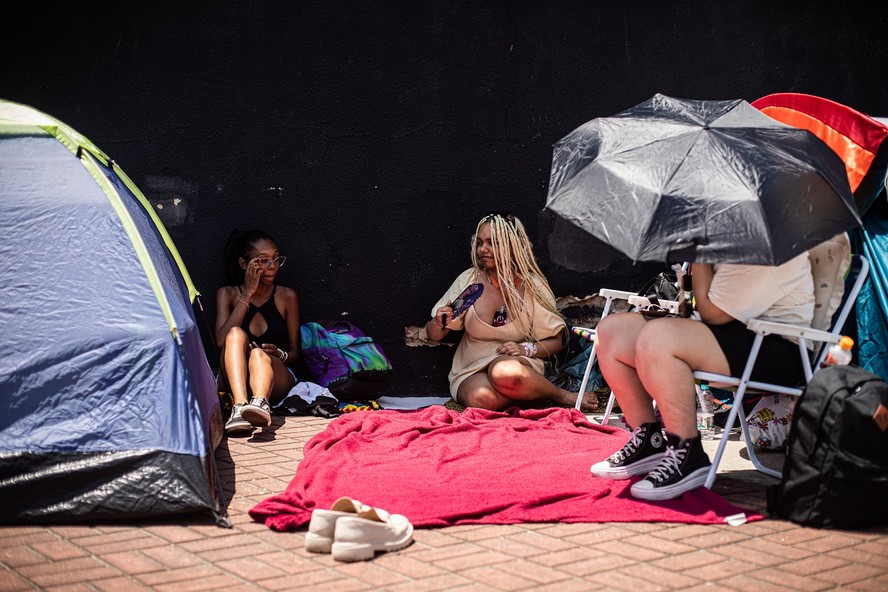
point(196, 555)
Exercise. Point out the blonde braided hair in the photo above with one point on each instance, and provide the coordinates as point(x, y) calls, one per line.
point(513, 255)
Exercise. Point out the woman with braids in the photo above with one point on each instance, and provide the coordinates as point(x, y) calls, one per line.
point(257, 330)
point(509, 330)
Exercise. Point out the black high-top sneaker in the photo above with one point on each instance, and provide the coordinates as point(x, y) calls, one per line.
point(642, 452)
point(684, 467)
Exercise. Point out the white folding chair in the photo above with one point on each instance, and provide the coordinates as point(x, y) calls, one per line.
point(811, 359)
point(838, 278)
point(589, 333)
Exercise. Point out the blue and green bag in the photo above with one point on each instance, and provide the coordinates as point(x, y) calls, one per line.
point(339, 356)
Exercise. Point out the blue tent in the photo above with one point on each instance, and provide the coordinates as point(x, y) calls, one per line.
point(108, 408)
point(871, 240)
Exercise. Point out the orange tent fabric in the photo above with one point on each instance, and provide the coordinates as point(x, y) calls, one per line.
point(854, 136)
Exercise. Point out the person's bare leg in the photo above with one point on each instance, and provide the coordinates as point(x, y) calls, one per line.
point(282, 383)
point(234, 364)
point(667, 353)
point(261, 373)
point(515, 379)
point(617, 336)
point(476, 391)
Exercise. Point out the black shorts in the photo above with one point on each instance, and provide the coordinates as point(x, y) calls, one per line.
point(778, 360)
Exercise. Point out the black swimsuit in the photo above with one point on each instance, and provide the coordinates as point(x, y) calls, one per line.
point(276, 332)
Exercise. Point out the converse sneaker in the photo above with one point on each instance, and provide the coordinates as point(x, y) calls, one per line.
point(642, 452)
point(236, 423)
point(257, 412)
point(684, 467)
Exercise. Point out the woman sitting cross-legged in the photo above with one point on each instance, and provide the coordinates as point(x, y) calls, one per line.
point(509, 330)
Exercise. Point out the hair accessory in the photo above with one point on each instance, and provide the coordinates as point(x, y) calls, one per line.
point(507, 216)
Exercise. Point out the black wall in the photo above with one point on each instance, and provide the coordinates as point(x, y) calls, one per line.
point(369, 137)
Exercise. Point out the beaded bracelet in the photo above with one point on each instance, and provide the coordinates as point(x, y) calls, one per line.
point(244, 302)
point(530, 349)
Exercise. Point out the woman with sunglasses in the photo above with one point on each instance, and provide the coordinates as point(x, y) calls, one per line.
point(509, 330)
point(257, 330)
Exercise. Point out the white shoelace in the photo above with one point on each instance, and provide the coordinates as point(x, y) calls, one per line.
point(631, 446)
point(670, 464)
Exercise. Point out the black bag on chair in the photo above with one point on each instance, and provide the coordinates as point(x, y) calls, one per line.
point(836, 470)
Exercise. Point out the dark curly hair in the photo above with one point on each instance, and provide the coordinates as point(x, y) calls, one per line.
point(238, 245)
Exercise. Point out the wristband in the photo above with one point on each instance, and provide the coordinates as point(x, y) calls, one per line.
point(530, 349)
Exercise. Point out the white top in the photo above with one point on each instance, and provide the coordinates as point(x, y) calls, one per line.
point(784, 293)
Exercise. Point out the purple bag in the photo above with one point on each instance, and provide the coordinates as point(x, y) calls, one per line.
point(339, 356)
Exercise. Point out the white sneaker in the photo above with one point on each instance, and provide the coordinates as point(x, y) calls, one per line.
point(257, 412)
point(358, 538)
point(236, 423)
point(319, 537)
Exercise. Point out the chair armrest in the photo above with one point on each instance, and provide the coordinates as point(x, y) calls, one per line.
point(670, 305)
point(788, 330)
point(616, 294)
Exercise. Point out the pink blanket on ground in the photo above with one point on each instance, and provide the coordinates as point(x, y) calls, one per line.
point(439, 467)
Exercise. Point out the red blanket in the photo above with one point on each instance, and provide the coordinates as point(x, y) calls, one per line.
point(439, 468)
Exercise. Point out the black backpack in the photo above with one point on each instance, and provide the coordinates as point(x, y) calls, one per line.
point(836, 470)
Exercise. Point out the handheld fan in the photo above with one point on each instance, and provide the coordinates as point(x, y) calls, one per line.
point(462, 302)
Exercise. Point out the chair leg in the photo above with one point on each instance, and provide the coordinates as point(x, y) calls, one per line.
point(736, 409)
point(607, 411)
point(585, 377)
point(732, 417)
point(610, 400)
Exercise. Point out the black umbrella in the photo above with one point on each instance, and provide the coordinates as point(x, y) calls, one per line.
point(711, 181)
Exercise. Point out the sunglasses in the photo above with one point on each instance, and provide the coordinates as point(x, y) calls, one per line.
point(267, 263)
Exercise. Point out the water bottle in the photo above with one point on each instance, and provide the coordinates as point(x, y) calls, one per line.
point(705, 415)
point(839, 354)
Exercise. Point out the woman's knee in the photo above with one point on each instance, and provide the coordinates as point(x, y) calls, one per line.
point(258, 356)
point(236, 337)
point(481, 399)
point(656, 341)
point(507, 374)
point(616, 335)
point(476, 391)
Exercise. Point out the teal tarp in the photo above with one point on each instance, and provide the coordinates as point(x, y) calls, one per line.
point(871, 240)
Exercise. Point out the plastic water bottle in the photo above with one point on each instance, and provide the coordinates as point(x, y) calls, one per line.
point(705, 415)
point(839, 353)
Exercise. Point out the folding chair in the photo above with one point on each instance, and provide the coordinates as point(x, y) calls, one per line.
point(831, 263)
point(589, 333)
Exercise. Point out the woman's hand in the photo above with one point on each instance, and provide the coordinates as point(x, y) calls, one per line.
point(274, 351)
point(252, 275)
point(444, 316)
point(510, 348)
point(437, 326)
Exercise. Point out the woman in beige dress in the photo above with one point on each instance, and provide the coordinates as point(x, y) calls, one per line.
point(509, 330)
